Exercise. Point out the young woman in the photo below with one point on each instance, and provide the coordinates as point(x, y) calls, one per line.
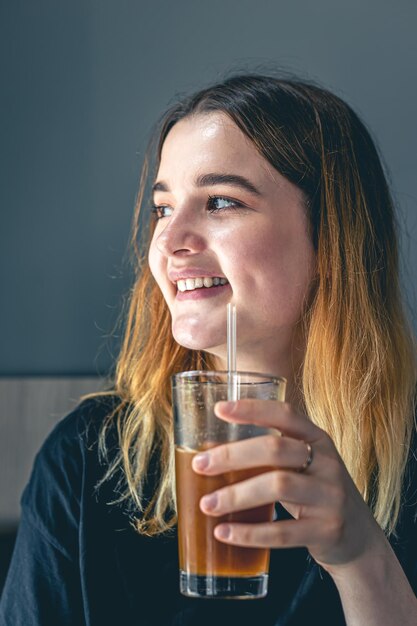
point(269, 194)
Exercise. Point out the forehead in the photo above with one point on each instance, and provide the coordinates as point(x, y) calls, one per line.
point(206, 141)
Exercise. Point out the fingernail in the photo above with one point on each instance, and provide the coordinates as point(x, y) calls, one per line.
point(201, 461)
point(226, 407)
point(209, 502)
point(222, 532)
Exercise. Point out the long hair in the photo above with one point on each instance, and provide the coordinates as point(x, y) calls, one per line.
point(358, 375)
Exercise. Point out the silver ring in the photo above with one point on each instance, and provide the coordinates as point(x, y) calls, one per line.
point(308, 460)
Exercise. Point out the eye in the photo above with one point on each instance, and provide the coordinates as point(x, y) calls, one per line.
point(215, 204)
point(220, 203)
point(161, 210)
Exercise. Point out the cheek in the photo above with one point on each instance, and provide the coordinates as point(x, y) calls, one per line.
point(256, 257)
point(157, 266)
point(273, 270)
point(155, 261)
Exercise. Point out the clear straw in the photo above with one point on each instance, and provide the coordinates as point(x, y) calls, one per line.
point(232, 385)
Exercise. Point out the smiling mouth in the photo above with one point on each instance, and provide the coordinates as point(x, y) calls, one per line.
point(207, 282)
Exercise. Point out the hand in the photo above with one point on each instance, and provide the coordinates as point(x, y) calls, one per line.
point(331, 518)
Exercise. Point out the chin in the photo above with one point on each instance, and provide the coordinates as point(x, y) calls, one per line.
point(193, 342)
point(197, 334)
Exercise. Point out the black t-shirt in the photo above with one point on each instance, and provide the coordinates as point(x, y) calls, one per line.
point(78, 560)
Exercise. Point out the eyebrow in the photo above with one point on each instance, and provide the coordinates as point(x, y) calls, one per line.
point(213, 178)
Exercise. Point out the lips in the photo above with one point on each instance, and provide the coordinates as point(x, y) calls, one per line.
point(176, 274)
point(203, 293)
point(197, 283)
point(203, 282)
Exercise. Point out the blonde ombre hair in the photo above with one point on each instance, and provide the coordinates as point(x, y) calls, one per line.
point(359, 372)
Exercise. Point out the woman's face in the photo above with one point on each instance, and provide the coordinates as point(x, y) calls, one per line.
point(253, 232)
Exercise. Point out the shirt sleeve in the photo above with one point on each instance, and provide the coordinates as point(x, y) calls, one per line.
point(43, 583)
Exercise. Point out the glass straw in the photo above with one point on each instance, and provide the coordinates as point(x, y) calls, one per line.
point(232, 388)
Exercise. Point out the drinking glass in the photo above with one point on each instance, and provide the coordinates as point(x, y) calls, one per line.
point(208, 567)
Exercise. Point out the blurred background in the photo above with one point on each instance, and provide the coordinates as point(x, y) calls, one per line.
point(82, 84)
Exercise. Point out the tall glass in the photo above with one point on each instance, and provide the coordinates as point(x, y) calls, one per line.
point(208, 567)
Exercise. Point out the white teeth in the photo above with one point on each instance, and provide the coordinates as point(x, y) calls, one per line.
point(188, 284)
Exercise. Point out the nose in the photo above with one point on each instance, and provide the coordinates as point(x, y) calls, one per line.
point(181, 236)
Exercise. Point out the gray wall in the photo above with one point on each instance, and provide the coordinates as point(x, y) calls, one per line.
point(83, 81)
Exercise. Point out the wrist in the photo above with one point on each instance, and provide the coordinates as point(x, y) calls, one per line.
point(374, 589)
point(375, 563)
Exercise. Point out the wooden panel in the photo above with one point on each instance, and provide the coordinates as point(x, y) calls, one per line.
point(29, 408)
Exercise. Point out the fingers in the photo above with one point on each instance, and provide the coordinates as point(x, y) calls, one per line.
point(266, 450)
point(263, 489)
point(272, 414)
point(311, 495)
point(282, 534)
